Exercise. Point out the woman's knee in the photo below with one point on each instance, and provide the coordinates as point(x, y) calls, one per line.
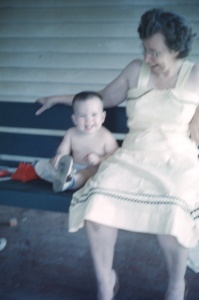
point(90, 225)
point(169, 242)
point(101, 231)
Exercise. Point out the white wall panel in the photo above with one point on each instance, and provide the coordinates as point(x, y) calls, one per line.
point(61, 46)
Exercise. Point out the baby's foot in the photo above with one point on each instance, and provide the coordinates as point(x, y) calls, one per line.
point(45, 170)
point(64, 169)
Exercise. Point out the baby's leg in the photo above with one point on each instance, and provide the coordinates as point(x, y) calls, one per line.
point(45, 170)
point(80, 178)
point(66, 179)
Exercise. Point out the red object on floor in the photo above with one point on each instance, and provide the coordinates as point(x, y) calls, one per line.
point(4, 173)
point(25, 172)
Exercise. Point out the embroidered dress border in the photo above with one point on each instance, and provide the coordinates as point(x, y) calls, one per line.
point(138, 198)
point(196, 213)
point(140, 96)
point(175, 98)
point(169, 92)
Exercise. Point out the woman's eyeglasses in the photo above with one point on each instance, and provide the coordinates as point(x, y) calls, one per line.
point(152, 53)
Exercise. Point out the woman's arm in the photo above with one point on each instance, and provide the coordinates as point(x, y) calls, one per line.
point(193, 85)
point(48, 102)
point(116, 91)
point(194, 127)
point(113, 94)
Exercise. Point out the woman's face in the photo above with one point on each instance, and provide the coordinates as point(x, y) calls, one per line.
point(157, 54)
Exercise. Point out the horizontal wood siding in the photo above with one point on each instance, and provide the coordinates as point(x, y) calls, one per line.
point(59, 47)
point(53, 47)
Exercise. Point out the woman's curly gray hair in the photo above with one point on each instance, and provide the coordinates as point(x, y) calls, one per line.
point(176, 30)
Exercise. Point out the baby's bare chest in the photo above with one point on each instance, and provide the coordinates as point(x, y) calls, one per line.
point(86, 145)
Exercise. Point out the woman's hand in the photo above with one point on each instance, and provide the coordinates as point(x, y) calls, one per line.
point(46, 102)
point(194, 127)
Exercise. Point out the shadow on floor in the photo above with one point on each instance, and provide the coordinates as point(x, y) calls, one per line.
point(42, 261)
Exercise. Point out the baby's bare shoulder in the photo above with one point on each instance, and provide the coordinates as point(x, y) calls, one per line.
point(105, 131)
point(72, 131)
point(70, 134)
point(106, 135)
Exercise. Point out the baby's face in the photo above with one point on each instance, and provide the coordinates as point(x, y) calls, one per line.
point(89, 115)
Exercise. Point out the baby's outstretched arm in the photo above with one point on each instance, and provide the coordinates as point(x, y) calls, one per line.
point(63, 149)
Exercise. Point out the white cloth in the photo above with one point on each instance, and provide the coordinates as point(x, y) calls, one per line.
point(151, 183)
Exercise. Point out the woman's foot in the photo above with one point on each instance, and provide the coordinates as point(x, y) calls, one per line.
point(116, 286)
point(3, 243)
point(177, 292)
point(109, 291)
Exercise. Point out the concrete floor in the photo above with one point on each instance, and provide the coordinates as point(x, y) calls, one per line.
point(42, 261)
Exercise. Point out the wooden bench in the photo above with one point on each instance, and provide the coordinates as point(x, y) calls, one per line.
point(25, 137)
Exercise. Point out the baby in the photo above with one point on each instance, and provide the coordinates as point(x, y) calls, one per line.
point(83, 147)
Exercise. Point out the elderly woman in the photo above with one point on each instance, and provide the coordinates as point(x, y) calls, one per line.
point(150, 184)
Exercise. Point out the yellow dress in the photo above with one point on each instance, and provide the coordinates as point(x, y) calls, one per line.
point(151, 183)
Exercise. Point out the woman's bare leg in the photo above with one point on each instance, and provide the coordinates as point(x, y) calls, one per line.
point(176, 260)
point(102, 241)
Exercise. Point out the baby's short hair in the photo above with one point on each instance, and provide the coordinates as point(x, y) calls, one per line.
point(84, 96)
